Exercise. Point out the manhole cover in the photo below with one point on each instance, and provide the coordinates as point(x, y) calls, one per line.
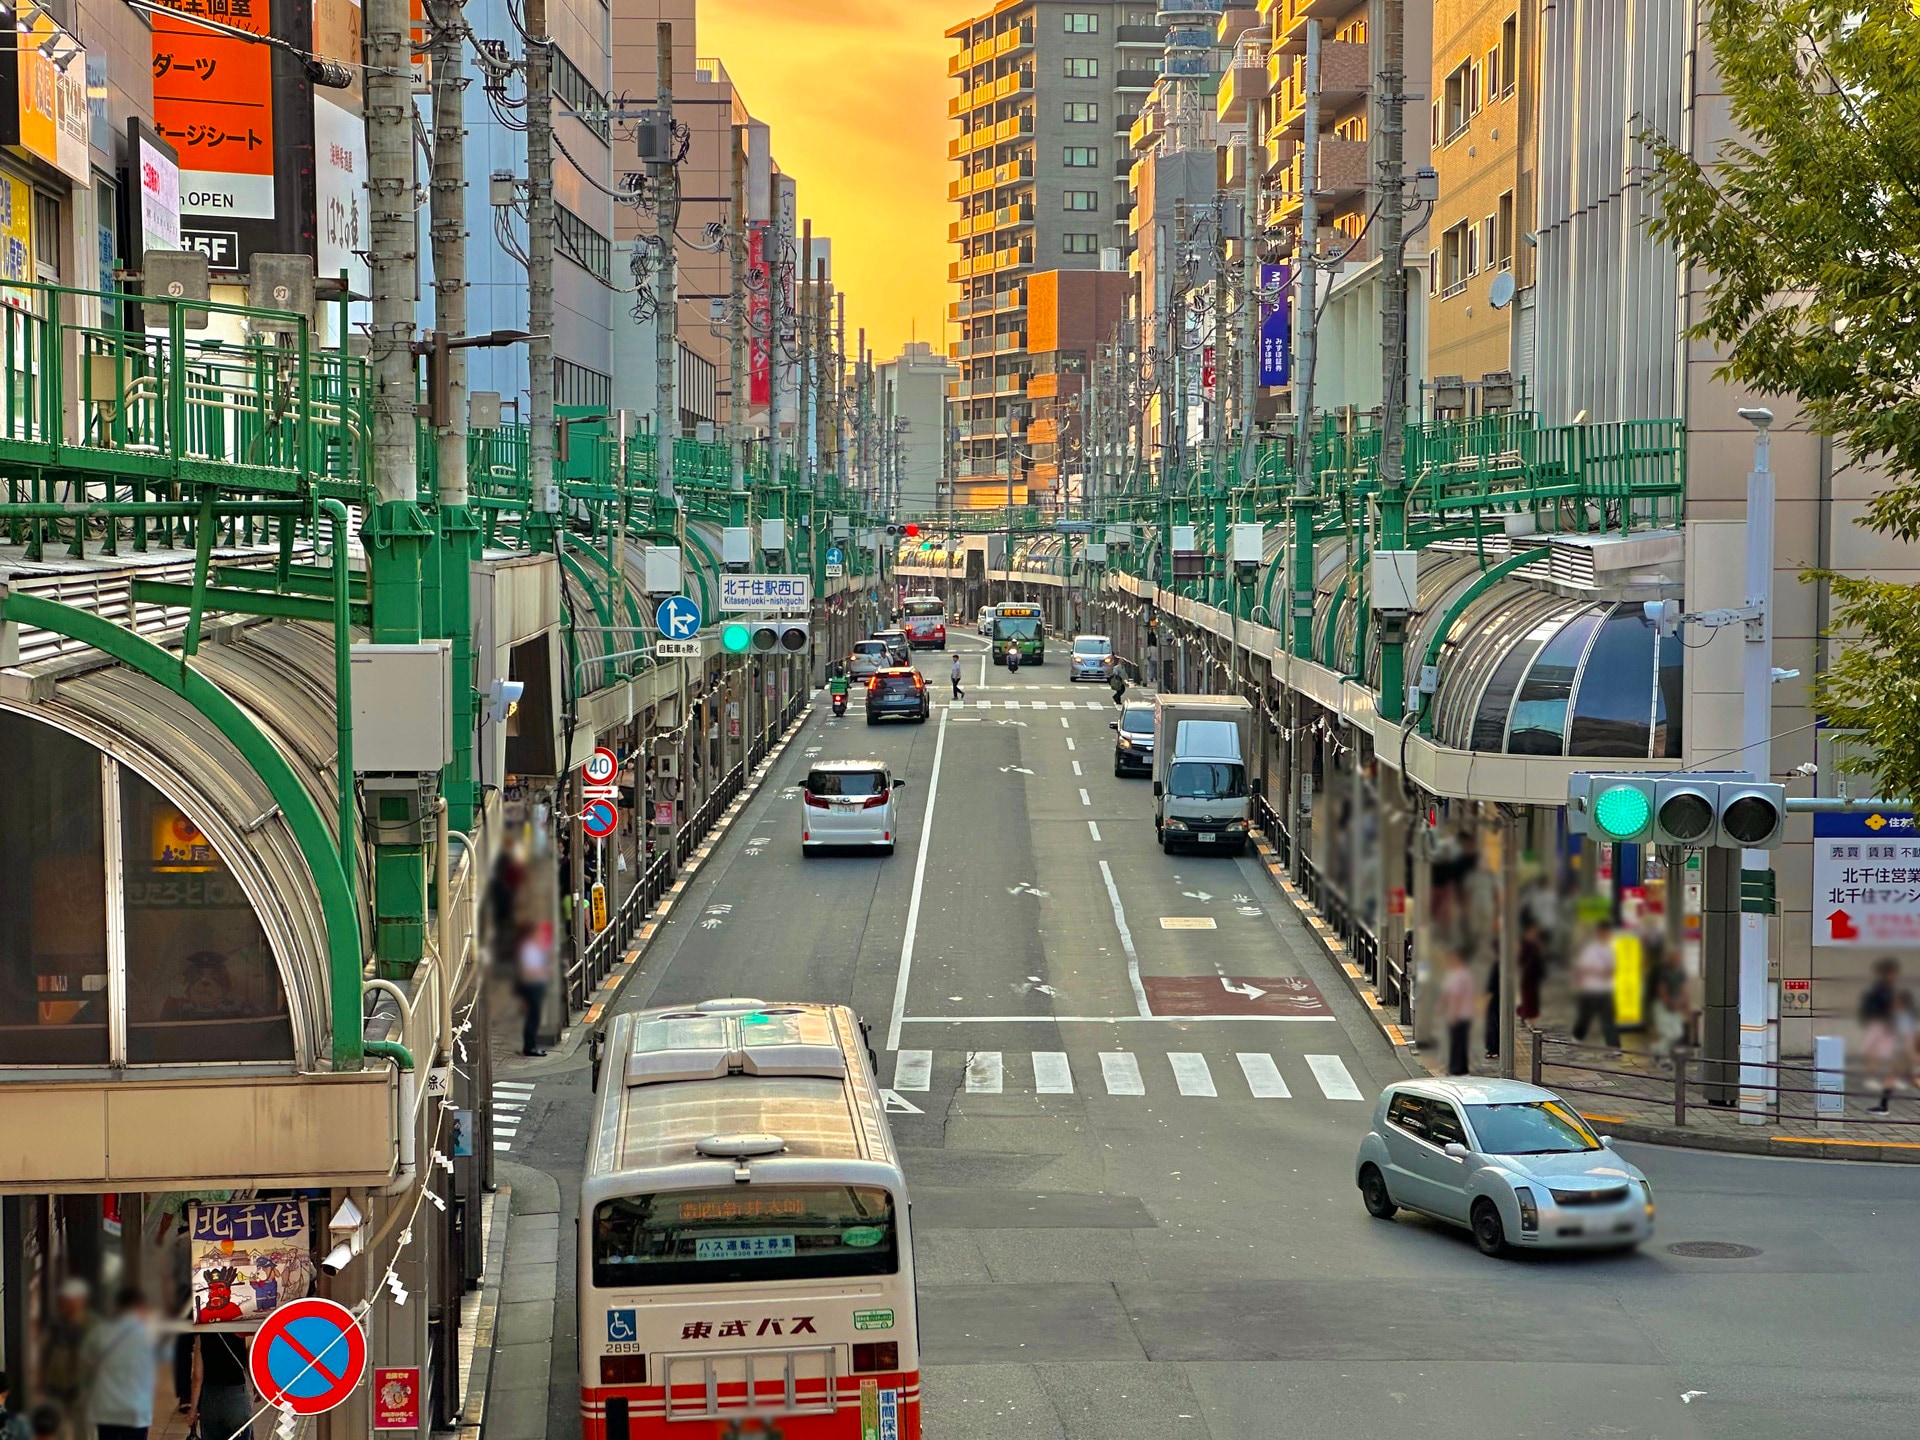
point(1713, 1250)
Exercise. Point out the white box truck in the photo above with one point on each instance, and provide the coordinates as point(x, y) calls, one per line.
point(1202, 793)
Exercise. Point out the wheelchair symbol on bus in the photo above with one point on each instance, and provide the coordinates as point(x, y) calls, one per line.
point(620, 1327)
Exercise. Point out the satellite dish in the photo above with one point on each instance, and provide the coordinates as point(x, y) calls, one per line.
point(1501, 294)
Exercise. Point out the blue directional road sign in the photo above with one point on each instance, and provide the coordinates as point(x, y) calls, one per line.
point(834, 557)
point(677, 618)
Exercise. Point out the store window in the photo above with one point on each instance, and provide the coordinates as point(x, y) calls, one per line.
point(53, 906)
point(201, 980)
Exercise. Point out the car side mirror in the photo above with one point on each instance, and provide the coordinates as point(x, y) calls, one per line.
point(1455, 1149)
point(1113, 724)
point(899, 784)
point(1259, 787)
point(1158, 790)
point(1607, 1141)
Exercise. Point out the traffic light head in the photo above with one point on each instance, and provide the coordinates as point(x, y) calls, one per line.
point(1685, 811)
point(1620, 808)
point(735, 638)
point(1753, 814)
point(787, 637)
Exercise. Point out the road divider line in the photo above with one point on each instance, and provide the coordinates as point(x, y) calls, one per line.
point(1094, 829)
point(1263, 1077)
point(1085, 799)
point(1063, 723)
point(1126, 942)
point(913, 1070)
point(1052, 1075)
point(919, 884)
point(1335, 1082)
point(984, 1072)
point(1076, 767)
point(1190, 1072)
point(1069, 742)
point(1122, 1073)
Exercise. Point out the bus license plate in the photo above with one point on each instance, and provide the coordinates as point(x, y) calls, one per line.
point(1204, 839)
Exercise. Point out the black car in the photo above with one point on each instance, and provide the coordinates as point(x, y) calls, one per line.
point(1133, 742)
point(898, 693)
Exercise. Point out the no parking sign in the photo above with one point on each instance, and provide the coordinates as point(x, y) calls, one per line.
point(308, 1356)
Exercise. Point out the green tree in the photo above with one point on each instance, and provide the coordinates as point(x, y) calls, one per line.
point(1806, 229)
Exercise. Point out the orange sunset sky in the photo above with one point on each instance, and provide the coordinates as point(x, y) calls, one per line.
point(856, 92)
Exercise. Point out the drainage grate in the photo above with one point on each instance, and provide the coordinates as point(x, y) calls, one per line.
point(1713, 1250)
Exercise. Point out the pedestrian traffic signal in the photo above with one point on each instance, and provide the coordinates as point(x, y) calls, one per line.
point(735, 638)
point(782, 636)
point(1753, 814)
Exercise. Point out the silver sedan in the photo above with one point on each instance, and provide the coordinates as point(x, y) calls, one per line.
point(1511, 1162)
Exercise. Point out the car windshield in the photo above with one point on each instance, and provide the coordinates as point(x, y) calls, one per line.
point(847, 782)
point(1207, 780)
point(1137, 722)
point(1544, 1127)
point(1092, 645)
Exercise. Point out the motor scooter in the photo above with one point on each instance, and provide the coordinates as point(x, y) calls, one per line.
point(1013, 659)
point(839, 702)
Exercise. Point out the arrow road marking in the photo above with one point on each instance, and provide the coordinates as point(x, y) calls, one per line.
point(1252, 992)
point(892, 1100)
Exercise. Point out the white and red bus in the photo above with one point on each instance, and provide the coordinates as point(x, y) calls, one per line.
point(924, 618)
point(745, 1256)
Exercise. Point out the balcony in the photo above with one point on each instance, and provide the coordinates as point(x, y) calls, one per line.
point(1236, 21)
point(1244, 81)
point(1128, 79)
point(1345, 166)
point(1018, 83)
point(1014, 125)
point(1344, 78)
point(1010, 215)
point(1154, 35)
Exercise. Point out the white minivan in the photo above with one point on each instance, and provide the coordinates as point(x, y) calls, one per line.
point(848, 802)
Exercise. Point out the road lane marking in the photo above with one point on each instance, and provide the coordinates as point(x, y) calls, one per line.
point(919, 885)
point(1188, 922)
point(1263, 1077)
point(1126, 942)
point(1119, 1019)
point(1190, 1072)
point(1051, 1073)
point(1065, 726)
point(1069, 742)
point(1094, 829)
point(1076, 767)
point(913, 1070)
point(500, 1085)
point(1335, 1082)
point(983, 704)
point(1085, 799)
point(984, 1072)
point(1122, 1073)
point(1010, 704)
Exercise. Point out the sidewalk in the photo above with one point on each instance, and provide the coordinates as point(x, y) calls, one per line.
point(1635, 1100)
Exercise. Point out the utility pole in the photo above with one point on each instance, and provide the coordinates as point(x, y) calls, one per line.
point(541, 228)
point(666, 325)
point(1250, 320)
point(737, 332)
point(840, 392)
point(1305, 324)
point(809, 362)
point(1393, 343)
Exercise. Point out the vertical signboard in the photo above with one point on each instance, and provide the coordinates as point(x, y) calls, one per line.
point(213, 102)
point(153, 176)
point(16, 237)
point(759, 319)
point(43, 92)
point(1276, 319)
point(340, 150)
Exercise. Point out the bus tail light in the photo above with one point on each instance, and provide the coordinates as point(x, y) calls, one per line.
point(882, 1355)
point(623, 1369)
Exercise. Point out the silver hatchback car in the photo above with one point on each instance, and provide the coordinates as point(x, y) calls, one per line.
point(1510, 1161)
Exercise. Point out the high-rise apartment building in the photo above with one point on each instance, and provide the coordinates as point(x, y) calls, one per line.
point(1048, 91)
point(910, 403)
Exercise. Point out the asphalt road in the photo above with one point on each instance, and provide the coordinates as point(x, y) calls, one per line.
point(1146, 1227)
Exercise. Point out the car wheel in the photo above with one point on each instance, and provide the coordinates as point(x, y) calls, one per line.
point(1488, 1231)
point(872, 720)
point(1373, 1191)
point(1118, 770)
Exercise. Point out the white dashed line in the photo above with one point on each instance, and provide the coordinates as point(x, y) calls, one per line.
point(1076, 767)
point(1094, 830)
point(1085, 799)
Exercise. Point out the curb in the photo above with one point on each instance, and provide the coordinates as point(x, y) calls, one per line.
point(480, 1312)
point(624, 969)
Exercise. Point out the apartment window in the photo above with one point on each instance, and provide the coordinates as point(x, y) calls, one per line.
point(583, 244)
point(1082, 68)
point(1473, 250)
point(1488, 246)
point(1080, 244)
point(577, 94)
point(1433, 272)
point(1454, 247)
point(1080, 112)
point(1080, 157)
point(1462, 97)
point(577, 385)
point(1503, 233)
point(1509, 54)
point(1081, 22)
point(1081, 200)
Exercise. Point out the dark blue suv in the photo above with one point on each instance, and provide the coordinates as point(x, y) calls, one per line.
point(901, 693)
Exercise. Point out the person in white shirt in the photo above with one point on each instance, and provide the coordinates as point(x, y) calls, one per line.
point(1593, 974)
point(1458, 1000)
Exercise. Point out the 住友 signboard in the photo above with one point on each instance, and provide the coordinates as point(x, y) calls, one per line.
point(1866, 879)
point(248, 1257)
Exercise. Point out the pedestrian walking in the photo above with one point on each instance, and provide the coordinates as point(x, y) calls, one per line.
point(121, 1369)
point(1880, 1045)
point(13, 1424)
point(1458, 998)
point(63, 1373)
point(1493, 1010)
point(220, 1406)
point(954, 675)
point(1533, 968)
point(535, 975)
point(1593, 977)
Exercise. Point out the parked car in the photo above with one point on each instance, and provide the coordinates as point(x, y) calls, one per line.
point(1512, 1162)
point(1133, 740)
point(898, 646)
point(984, 621)
point(1091, 658)
point(868, 658)
point(848, 802)
point(898, 693)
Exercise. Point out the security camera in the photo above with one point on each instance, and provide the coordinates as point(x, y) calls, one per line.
point(502, 697)
point(343, 1255)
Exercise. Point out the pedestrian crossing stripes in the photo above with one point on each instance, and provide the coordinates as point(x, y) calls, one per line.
point(510, 1099)
point(1021, 705)
point(988, 1072)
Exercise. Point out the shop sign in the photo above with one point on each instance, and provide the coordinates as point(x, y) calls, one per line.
point(248, 1257)
point(156, 170)
point(45, 75)
point(213, 102)
point(16, 233)
point(396, 1398)
point(1866, 879)
point(340, 181)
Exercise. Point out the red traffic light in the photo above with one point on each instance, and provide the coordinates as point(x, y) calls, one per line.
point(913, 530)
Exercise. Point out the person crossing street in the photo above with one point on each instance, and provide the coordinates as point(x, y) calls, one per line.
point(954, 675)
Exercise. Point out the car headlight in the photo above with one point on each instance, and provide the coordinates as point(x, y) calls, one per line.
point(1529, 1212)
point(1236, 825)
point(1176, 824)
point(1646, 1190)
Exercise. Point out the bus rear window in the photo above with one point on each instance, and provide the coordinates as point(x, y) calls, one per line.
point(721, 1237)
